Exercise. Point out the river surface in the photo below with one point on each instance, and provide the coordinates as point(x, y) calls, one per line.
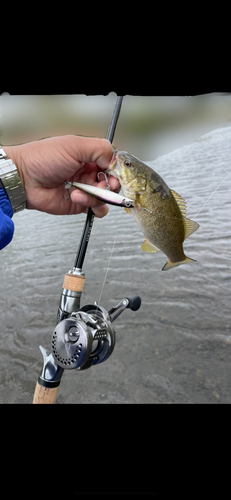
point(177, 347)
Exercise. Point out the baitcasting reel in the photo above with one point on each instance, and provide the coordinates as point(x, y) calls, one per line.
point(87, 337)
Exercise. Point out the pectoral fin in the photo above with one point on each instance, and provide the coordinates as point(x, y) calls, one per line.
point(128, 210)
point(149, 247)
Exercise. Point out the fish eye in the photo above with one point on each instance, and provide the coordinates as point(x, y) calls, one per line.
point(127, 163)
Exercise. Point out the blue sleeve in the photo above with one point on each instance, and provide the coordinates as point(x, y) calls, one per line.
point(6, 224)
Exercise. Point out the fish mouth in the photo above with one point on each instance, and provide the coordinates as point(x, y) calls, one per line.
point(113, 165)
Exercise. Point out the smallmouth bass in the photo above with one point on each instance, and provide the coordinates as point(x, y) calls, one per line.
point(159, 211)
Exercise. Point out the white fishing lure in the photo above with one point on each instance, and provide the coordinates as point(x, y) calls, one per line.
point(102, 194)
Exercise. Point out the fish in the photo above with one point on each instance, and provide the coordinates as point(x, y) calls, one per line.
point(102, 194)
point(159, 211)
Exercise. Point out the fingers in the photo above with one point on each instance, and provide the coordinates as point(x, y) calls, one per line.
point(114, 183)
point(99, 208)
point(90, 149)
point(101, 212)
point(80, 198)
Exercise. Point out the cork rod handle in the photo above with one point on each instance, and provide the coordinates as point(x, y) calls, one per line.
point(45, 395)
point(74, 282)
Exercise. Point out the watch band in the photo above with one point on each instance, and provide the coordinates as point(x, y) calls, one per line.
point(12, 183)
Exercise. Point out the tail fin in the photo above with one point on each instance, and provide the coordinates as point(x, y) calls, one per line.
point(170, 265)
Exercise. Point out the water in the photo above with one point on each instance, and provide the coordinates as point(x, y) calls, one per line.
point(177, 347)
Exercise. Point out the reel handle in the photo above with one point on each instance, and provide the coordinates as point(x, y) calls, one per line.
point(134, 304)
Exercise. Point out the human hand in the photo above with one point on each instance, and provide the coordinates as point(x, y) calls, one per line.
point(44, 165)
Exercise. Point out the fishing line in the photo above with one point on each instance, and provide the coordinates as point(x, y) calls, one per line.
point(194, 216)
point(212, 194)
point(108, 268)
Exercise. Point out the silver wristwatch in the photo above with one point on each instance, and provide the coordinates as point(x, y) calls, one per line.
point(11, 183)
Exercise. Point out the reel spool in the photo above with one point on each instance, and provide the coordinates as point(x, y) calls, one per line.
point(84, 339)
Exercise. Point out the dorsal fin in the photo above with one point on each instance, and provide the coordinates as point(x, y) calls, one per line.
point(180, 202)
point(190, 227)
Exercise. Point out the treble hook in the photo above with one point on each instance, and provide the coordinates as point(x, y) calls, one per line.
point(106, 179)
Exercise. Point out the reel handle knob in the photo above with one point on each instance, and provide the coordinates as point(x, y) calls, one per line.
point(134, 303)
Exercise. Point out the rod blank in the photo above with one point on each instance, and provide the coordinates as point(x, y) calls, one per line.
point(90, 216)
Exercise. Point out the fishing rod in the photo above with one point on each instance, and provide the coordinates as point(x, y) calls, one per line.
point(90, 216)
point(83, 336)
